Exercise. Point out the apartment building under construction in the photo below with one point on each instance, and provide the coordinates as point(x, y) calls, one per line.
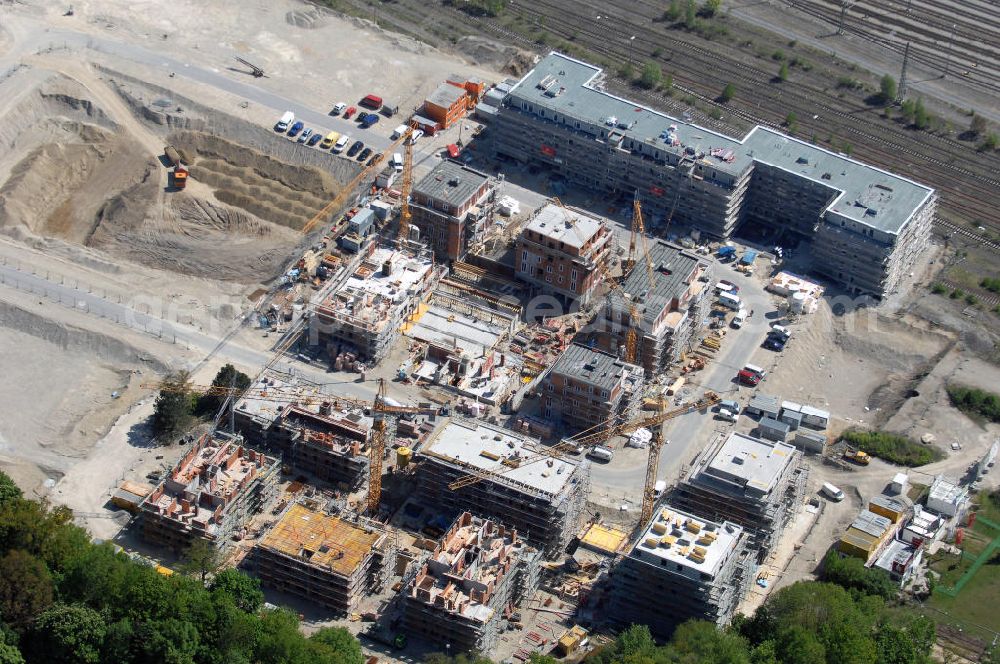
point(321, 557)
point(757, 484)
point(211, 494)
point(365, 315)
point(318, 435)
point(681, 568)
point(671, 299)
point(866, 226)
point(520, 486)
point(475, 578)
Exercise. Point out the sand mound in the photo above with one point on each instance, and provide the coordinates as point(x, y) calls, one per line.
point(310, 19)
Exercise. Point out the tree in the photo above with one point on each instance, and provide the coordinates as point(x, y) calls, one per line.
point(342, 643)
point(699, 640)
point(67, 634)
point(977, 126)
point(710, 8)
point(651, 75)
point(921, 118)
point(728, 93)
point(243, 589)
point(26, 588)
point(200, 559)
point(172, 413)
point(227, 377)
point(10, 654)
point(991, 142)
point(796, 645)
point(627, 71)
point(690, 15)
point(537, 658)
point(887, 89)
point(46, 533)
point(8, 489)
point(168, 641)
point(851, 573)
point(783, 72)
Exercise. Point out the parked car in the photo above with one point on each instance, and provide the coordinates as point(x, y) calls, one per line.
point(453, 151)
point(306, 133)
point(349, 112)
point(286, 119)
point(375, 157)
point(354, 149)
point(330, 139)
point(416, 135)
point(731, 405)
point(727, 415)
point(739, 319)
point(775, 343)
point(748, 377)
point(373, 102)
point(341, 143)
point(832, 492)
point(315, 138)
point(733, 287)
point(338, 108)
point(368, 119)
point(364, 154)
point(296, 128)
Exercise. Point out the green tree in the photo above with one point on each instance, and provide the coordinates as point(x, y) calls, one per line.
point(627, 71)
point(172, 412)
point(67, 634)
point(200, 559)
point(227, 377)
point(46, 533)
point(673, 12)
point(690, 15)
point(651, 75)
point(26, 588)
point(8, 489)
point(887, 89)
point(243, 589)
point(908, 109)
point(342, 643)
point(783, 72)
point(728, 93)
point(852, 574)
point(921, 118)
point(796, 645)
point(537, 658)
point(710, 8)
point(991, 142)
point(170, 641)
point(702, 641)
point(10, 654)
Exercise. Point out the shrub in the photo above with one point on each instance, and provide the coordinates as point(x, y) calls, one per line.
point(887, 89)
point(939, 289)
point(990, 284)
point(975, 402)
point(991, 142)
point(971, 299)
point(728, 93)
point(778, 55)
point(892, 447)
point(651, 75)
point(710, 8)
point(848, 83)
point(957, 294)
point(791, 119)
point(783, 72)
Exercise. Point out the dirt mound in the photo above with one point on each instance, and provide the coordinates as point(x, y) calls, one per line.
point(488, 53)
point(310, 19)
point(266, 187)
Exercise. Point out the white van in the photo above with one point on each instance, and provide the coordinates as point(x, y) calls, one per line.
point(727, 415)
point(659, 488)
point(739, 318)
point(721, 288)
point(285, 122)
point(832, 492)
point(397, 162)
point(341, 144)
point(398, 131)
point(601, 453)
point(731, 301)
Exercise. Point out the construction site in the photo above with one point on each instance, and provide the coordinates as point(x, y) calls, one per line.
point(513, 362)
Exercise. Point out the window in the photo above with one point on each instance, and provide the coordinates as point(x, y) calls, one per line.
point(604, 394)
point(524, 255)
point(560, 281)
point(561, 266)
point(572, 275)
point(548, 269)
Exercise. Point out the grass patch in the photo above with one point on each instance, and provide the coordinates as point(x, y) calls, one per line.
point(893, 447)
point(978, 404)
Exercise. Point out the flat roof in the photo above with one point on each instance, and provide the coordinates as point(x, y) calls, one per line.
point(305, 394)
point(673, 271)
point(568, 87)
point(451, 182)
point(751, 463)
point(320, 539)
point(592, 366)
point(763, 401)
point(446, 327)
point(605, 539)
point(945, 490)
point(482, 446)
point(446, 94)
point(687, 541)
point(870, 523)
point(560, 224)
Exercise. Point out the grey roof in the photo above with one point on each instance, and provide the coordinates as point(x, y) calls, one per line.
point(560, 224)
point(451, 182)
point(763, 402)
point(774, 425)
point(446, 94)
point(896, 504)
point(592, 366)
point(570, 88)
point(871, 523)
point(750, 464)
point(672, 270)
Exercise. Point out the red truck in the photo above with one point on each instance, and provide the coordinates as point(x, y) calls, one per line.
point(747, 377)
point(371, 101)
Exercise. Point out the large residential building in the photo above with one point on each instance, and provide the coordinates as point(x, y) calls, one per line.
point(754, 483)
point(366, 315)
point(211, 494)
point(681, 568)
point(519, 486)
point(452, 206)
point(587, 387)
point(866, 226)
point(320, 557)
point(459, 597)
point(563, 252)
point(670, 298)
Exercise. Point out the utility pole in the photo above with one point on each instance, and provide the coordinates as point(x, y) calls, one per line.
point(843, 15)
point(901, 89)
point(951, 48)
point(631, 41)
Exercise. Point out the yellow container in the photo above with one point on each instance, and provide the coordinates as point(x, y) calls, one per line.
point(403, 456)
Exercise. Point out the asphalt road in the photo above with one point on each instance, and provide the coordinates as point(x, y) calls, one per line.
point(683, 432)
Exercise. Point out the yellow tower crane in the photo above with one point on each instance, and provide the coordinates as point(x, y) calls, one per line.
point(404, 193)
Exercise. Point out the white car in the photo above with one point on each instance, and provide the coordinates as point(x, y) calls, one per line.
point(416, 135)
point(339, 108)
point(306, 133)
point(341, 144)
point(727, 415)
